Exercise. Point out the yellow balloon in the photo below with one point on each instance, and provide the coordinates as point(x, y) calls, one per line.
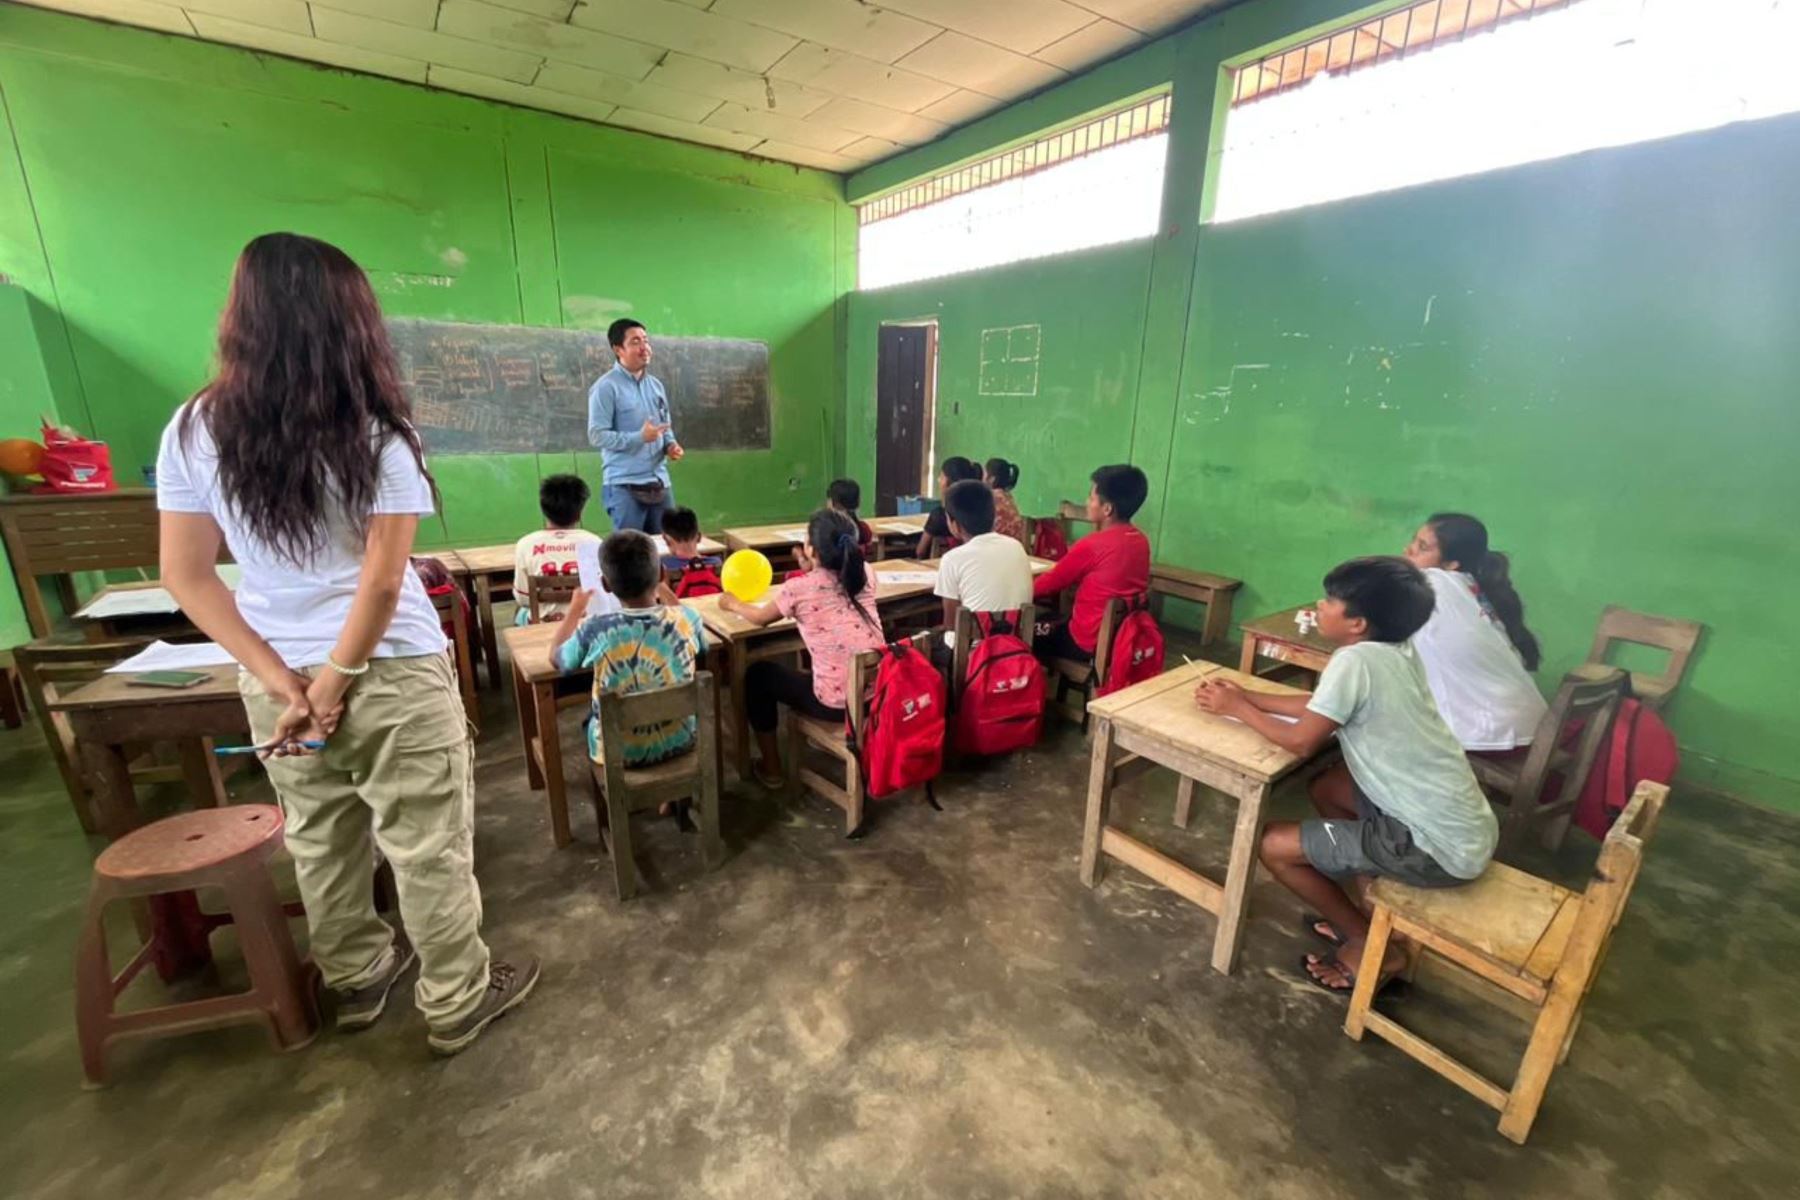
point(747, 575)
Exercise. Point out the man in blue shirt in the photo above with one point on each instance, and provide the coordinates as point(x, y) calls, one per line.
point(628, 419)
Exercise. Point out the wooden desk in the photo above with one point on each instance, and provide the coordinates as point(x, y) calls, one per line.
point(1159, 721)
point(169, 626)
point(1277, 637)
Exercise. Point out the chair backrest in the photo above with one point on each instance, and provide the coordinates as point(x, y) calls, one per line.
point(1109, 629)
point(862, 678)
point(1590, 694)
point(1676, 636)
point(48, 671)
point(1615, 875)
point(620, 711)
point(968, 632)
point(548, 589)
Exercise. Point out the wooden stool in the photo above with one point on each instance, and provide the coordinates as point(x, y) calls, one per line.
point(226, 848)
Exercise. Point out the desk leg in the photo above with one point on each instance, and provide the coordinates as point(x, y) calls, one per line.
point(1247, 664)
point(740, 720)
point(1100, 780)
point(554, 791)
point(200, 770)
point(1184, 801)
point(1238, 878)
point(525, 700)
point(490, 640)
point(115, 800)
point(715, 663)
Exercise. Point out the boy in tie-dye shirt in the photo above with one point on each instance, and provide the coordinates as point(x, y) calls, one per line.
point(641, 648)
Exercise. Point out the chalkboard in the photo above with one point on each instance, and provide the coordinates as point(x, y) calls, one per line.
point(499, 389)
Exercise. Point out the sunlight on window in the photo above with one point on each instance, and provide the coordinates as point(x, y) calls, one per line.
point(1111, 195)
point(1596, 73)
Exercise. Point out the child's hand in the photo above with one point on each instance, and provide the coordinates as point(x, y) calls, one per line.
point(731, 603)
point(1220, 696)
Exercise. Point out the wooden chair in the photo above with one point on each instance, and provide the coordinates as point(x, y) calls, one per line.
point(620, 790)
point(12, 693)
point(546, 590)
point(1535, 941)
point(829, 737)
point(449, 607)
point(1664, 633)
point(1082, 677)
point(1590, 695)
point(1203, 587)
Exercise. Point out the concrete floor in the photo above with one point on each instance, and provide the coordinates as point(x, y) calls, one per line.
point(938, 1010)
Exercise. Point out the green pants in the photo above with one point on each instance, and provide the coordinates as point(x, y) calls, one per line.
point(399, 775)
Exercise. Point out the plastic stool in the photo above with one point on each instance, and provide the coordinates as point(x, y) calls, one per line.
point(227, 848)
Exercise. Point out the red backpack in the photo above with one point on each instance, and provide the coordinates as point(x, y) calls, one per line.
point(73, 463)
point(1049, 541)
point(1137, 650)
point(1640, 747)
point(903, 738)
point(698, 578)
point(1002, 707)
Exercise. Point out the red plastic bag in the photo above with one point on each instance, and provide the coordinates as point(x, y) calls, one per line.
point(72, 463)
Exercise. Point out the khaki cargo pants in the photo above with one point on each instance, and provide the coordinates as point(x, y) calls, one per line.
point(398, 774)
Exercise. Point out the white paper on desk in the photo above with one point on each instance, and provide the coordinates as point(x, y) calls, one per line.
point(907, 576)
point(896, 528)
point(130, 602)
point(1040, 565)
point(662, 543)
point(161, 656)
point(792, 535)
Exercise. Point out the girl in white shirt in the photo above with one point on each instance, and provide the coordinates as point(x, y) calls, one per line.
point(1477, 652)
point(300, 456)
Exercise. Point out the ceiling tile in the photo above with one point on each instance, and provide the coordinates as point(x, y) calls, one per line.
point(289, 16)
point(870, 149)
point(532, 35)
point(550, 10)
point(1084, 47)
point(663, 102)
point(841, 24)
point(468, 82)
point(1020, 25)
point(678, 27)
point(687, 131)
point(129, 12)
point(979, 66)
point(805, 156)
point(959, 106)
point(352, 58)
point(876, 121)
point(369, 34)
point(689, 74)
point(772, 125)
point(849, 74)
point(1151, 16)
point(420, 14)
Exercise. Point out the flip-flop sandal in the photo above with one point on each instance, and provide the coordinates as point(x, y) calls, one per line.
point(1309, 922)
point(1307, 960)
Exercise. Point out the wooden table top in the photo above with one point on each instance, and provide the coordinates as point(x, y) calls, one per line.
point(731, 627)
point(1280, 627)
point(777, 536)
point(117, 691)
point(492, 560)
point(529, 646)
point(1164, 708)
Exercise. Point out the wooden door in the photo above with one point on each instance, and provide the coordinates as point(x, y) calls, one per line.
point(902, 404)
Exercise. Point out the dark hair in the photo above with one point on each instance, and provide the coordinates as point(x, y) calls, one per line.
point(683, 524)
point(1391, 594)
point(1463, 540)
point(617, 332)
point(1004, 474)
point(629, 564)
point(561, 498)
point(1123, 486)
point(846, 494)
point(834, 539)
point(307, 396)
point(958, 468)
point(970, 504)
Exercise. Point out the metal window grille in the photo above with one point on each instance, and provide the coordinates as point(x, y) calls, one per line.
point(1140, 120)
point(1404, 31)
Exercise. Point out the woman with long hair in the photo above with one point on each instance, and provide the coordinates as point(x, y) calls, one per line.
point(1478, 655)
point(300, 456)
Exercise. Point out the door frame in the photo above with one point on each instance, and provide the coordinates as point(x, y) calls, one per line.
point(928, 436)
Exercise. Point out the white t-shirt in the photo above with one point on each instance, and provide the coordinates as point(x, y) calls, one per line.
point(1481, 686)
point(988, 573)
point(1403, 756)
point(547, 552)
point(301, 611)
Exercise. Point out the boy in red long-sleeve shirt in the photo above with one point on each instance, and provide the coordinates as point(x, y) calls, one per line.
point(1114, 560)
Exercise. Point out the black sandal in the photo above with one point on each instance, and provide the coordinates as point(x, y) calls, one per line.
point(1311, 960)
point(1310, 923)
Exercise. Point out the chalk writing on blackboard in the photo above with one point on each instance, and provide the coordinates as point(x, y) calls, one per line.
point(486, 389)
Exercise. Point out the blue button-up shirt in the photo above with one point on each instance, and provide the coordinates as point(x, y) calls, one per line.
point(618, 406)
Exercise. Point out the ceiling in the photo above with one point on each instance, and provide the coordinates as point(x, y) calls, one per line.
point(835, 84)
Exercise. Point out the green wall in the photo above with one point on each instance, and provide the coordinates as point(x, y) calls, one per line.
point(1588, 353)
point(140, 164)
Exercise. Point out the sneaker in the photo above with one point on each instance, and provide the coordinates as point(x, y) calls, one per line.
point(508, 985)
point(359, 1008)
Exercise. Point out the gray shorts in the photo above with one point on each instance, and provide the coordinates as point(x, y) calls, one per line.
point(1373, 844)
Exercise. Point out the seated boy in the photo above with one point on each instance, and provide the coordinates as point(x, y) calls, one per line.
point(1404, 805)
point(641, 647)
point(845, 496)
point(686, 572)
point(987, 572)
point(1113, 561)
point(551, 550)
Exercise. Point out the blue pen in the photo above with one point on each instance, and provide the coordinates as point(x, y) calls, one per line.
point(224, 750)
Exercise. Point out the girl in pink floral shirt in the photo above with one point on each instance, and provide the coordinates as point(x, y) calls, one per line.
point(833, 605)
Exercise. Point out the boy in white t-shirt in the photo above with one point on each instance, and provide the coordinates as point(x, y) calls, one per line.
point(1405, 804)
point(988, 572)
point(552, 550)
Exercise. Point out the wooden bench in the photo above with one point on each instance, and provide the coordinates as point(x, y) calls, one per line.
point(1214, 591)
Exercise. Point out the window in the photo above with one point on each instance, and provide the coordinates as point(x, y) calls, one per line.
point(1454, 87)
point(1095, 184)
